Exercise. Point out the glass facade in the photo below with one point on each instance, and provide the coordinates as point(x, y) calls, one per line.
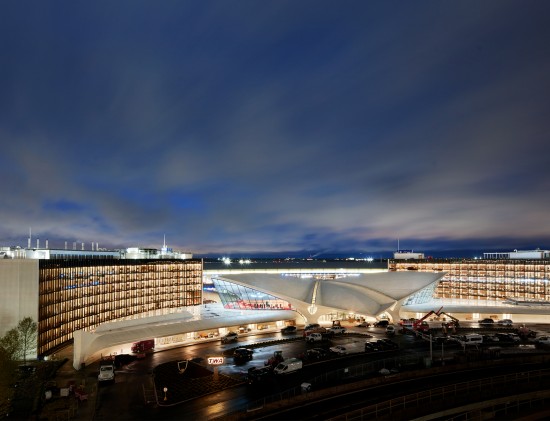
point(488, 282)
point(425, 295)
point(82, 294)
point(235, 296)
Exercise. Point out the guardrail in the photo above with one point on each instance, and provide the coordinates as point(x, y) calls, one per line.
point(455, 395)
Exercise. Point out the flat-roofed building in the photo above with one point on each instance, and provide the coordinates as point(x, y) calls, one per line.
point(502, 287)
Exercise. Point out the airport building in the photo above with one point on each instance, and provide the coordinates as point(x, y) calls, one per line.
point(66, 292)
point(512, 285)
point(102, 301)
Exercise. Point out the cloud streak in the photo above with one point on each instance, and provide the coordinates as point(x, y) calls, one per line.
point(287, 128)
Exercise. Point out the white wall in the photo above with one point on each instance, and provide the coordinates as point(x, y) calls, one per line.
point(18, 292)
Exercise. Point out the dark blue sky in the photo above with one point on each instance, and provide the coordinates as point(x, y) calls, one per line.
point(276, 126)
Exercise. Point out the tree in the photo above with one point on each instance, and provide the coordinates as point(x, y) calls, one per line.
point(17, 342)
point(10, 343)
point(7, 377)
point(27, 329)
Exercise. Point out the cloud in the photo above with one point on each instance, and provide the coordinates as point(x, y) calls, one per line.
point(301, 129)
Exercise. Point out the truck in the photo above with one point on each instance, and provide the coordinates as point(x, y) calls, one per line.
point(288, 366)
point(143, 346)
point(421, 325)
point(336, 330)
point(275, 359)
point(453, 324)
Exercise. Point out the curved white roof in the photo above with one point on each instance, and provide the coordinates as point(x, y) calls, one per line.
point(367, 293)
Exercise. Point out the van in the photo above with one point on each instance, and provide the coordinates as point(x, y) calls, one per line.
point(106, 373)
point(288, 366)
point(472, 339)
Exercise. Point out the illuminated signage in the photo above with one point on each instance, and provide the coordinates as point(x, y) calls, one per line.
point(215, 360)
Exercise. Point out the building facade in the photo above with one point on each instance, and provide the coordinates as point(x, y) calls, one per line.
point(76, 294)
point(504, 286)
point(71, 294)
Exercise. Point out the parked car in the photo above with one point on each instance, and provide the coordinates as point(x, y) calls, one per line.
point(315, 337)
point(288, 329)
point(490, 338)
point(454, 338)
point(336, 330)
point(339, 349)
point(363, 324)
point(312, 326)
point(382, 323)
point(387, 344)
point(505, 322)
point(487, 322)
point(242, 354)
point(323, 353)
point(311, 355)
point(259, 374)
point(372, 347)
point(230, 337)
point(510, 338)
point(542, 341)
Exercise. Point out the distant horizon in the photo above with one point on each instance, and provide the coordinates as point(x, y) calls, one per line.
point(458, 252)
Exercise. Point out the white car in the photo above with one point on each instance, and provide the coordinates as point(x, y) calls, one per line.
point(106, 373)
point(505, 322)
point(339, 349)
point(337, 330)
point(230, 337)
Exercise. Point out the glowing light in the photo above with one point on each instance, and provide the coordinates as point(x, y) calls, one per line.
point(312, 309)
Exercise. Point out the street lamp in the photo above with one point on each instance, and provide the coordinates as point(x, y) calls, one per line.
point(165, 390)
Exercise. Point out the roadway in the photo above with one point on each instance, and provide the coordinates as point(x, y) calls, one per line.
point(124, 400)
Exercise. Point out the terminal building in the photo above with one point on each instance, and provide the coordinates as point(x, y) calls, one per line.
point(102, 301)
point(512, 285)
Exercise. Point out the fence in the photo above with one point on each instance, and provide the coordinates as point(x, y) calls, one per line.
point(440, 398)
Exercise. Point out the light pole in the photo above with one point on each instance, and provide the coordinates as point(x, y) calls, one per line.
point(165, 390)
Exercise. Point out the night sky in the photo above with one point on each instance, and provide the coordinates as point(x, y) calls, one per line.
point(298, 127)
